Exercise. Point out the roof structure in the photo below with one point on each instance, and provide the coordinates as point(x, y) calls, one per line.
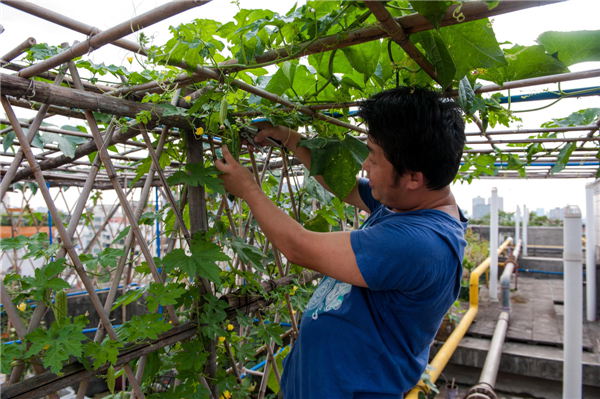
point(149, 129)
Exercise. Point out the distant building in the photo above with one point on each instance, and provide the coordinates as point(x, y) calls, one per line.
point(556, 213)
point(481, 207)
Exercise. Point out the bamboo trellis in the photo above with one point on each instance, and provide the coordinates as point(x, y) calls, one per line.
point(110, 171)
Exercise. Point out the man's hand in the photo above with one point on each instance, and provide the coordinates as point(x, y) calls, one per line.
point(237, 179)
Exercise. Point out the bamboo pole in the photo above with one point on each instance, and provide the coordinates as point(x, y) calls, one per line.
point(108, 165)
point(14, 53)
point(66, 240)
point(15, 320)
point(96, 88)
point(53, 110)
point(154, 155)
point(63, 96)
point(517, 150)
point(100, 39)
point(70, 23)
point(412, 24)
point(128, 245)
point(535, 131)
point(73, 222)
point(33, 128)
point(51, 129)
point(535, 140)
point(561, 77)
point(397, 34)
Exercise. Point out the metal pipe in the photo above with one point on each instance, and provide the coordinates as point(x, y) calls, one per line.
point(492, 361)
point(489, 372)
point(525, 226)
point(517, 224)
point(590, 254)
point(573, 318)
point(505, 284)
point(494, 245)
point(447, 350)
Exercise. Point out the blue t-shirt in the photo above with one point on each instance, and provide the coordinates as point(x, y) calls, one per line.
point(373, 343)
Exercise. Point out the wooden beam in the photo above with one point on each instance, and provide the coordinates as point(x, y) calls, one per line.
point(62, 96)
point(123, 29)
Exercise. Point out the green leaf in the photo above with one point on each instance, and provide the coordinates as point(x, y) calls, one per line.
point(364, 57)
point(434, 11)
point(525, 62)
point(582, 117)
point(563, 157)
point(249, 254)
point(58, 343)
point(10, 353)
point(8, 140)
point(341, 171)
point(337, 161)
point(67, 144)
point(472, 45)
point(292, 79)
point(17, 242)
point(202, 263)
point(272, 382)
point(102, 353)
point(122, 234)
point(188, 359)
point(143, 327)
point(198, 175)
point(127, 298)
point(437, 54)
point(109, 256)
point(318, 223)
point(206, 254)
point(572, 47)
point(357, 148)
point(163, 294)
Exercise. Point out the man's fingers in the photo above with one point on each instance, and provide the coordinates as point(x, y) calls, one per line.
point(226, 154)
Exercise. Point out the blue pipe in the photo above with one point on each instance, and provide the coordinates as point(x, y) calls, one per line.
point(50, 225)
point(269, 322)
point(540, 271)
point(157, 226)
point(261, 364)
point(135, 285)
point(160, 307)
point(550, 95)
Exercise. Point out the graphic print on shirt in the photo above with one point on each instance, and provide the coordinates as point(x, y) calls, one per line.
point(329, 295)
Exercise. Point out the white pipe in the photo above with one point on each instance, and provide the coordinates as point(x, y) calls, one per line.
point(590, 254)
point(489, 372)
point(573, 297)
point(517, 223)
point(494, 245)
point(525, 225)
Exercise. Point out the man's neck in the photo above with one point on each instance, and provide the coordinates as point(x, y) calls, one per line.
point(442, 200)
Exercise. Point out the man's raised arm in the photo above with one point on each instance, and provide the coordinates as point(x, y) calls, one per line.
point(290, 140)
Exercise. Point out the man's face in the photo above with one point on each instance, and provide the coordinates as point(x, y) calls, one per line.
point(382, 177)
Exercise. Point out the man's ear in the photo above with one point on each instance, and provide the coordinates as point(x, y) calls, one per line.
point(415, 180)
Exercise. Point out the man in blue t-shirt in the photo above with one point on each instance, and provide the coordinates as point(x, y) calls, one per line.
point(366, 331)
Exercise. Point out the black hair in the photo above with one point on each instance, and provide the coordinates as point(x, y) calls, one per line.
point(419, 130)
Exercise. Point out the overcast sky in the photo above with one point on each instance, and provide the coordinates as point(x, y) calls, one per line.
point(521, 27)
